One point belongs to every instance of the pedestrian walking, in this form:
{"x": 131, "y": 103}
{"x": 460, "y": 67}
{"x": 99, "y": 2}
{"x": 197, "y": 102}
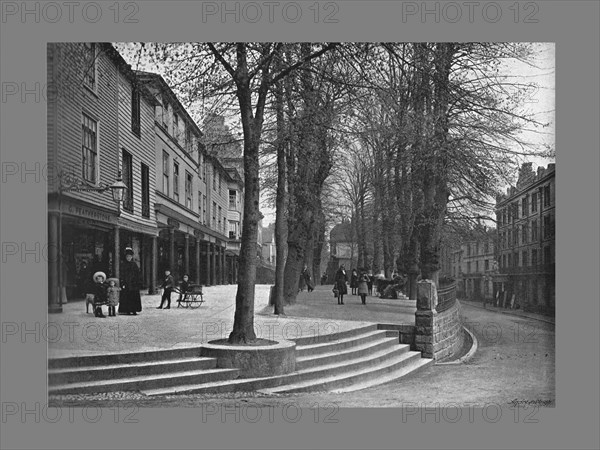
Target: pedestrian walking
{"x": 167, "y": 287}
{"x": 307, "y": 279}
{"x": 363, "y": 287}
{"x": 340, "y": 284}
{"x": 354, "y": 281}
{"x": 130, "y": 301}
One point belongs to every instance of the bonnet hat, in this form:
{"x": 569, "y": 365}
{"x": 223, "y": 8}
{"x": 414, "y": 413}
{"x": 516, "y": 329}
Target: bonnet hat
{"x": 99, "y": 274}
{"x": 128, "y": 251}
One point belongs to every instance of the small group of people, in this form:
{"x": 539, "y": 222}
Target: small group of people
{"x": 168, "y": 285}
{"x": 360, "y": 283}
{"x": 110, "y": 292}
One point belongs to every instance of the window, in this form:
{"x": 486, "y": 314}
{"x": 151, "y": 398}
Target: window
{"x": 219, "y": 218}
{"x": 204, "y": 209}
{"x": 508, "y": 238}
{"x": 205, "y": 170}
{"x": 486, "y": 247}
{"x": 534, "y": 200}
{"x": 128, "y": 180}
{"x": 524, "y": 233}
{"x": 487, "y": 265}
{"x": 89, "y": 76}
{"x": 547, "y": 195}
{"x": 145, "y": 190}
{"x": 516, "y": 237}
{"x": 524, "y": 258}
{"x": 176, "y": 126}
{"x": 89, "y": 148}
{"x": 200, "y": 204}
{"x": 548, "y": 227}
{"x": 516, "y": 259}
{"x": 176, "y": 181}
{"x": 504, "y": 261}
{"x": 188, "y": 140}
{"x": 547, "y": 255}
{"x": 214, "y": 215}
{"x": 468, "y": 249}
{"x": 232, "y": 230}
{"x": 188, "y": 190}
{"x": 214, "y": 178}
{"x": 165, "y": 115}
{"x": 232, "y": 199}
{"x": 534, "y": 230}
{"x": 469, "y": 267}
{"x": 165, "y": 187}
{"x": 534, "y": 257}
{"x": 220, "y": 180}
{"x": 135, "y": 110}
{"x": 524, "y": 207}
{"x": 476, "y": 266}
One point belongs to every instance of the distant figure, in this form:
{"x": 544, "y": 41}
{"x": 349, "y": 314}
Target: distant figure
{"x": 112, "y": 295}
{"x": 354, "y": 281}
{"x": 324, "y": 278}
{"x": 307, "y": 279}
{"x": 340, "y": 283}
{"x": 363, "y": 287}
{"x": 370, "y": 279}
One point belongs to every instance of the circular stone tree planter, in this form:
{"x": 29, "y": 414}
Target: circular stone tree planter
{"x": 268, "y": 358}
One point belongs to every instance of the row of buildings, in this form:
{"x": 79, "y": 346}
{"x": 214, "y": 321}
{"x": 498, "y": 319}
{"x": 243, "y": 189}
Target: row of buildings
{"x": 513, "y": 264}
{"x": 182, "y": 208}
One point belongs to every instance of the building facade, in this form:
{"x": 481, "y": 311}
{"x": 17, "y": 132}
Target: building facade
{"x": 476, "y": 267}
{"x": 180, "y": 206}
{"x": 526, "y": 240}
{"x": 100, "y": 125}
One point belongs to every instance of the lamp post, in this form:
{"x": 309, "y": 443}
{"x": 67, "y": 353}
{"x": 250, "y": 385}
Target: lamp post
{"x": 117, "y": 189}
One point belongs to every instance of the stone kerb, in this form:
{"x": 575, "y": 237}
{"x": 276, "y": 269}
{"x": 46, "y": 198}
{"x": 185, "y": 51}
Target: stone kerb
{"x": 275, "y": 358}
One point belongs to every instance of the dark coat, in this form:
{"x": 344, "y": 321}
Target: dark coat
{"x": 340, "y": 282}
{"x": 168, "y": 282}
{"x": 131, "y": 283}
{"x": 99, "y": 291}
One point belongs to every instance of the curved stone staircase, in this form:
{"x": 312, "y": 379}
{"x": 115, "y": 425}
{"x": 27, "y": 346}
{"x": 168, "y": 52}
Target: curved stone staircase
{"x": 345, "y": 361}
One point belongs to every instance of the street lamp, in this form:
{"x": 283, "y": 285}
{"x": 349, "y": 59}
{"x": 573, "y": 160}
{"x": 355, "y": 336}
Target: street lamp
{"x": 117, "y": 189}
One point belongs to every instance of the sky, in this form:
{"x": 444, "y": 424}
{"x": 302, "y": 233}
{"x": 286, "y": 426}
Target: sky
{"x": 541, "y": 102}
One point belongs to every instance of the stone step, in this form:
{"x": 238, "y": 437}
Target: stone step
{"x": 305, "y": 375}
{"x": 123, "y": 357}
{"x": 115, "y": 371}
{"x": 339, "y": 344}
{"x": 335, "y": 335}
{"x": 144, "y": 382}
{"x": 380, "y": 372}
{"x": 356, "y": 351}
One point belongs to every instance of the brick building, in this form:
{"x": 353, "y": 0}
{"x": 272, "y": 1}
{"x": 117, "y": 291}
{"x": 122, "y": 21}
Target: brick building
{"x": 526, "y": 240}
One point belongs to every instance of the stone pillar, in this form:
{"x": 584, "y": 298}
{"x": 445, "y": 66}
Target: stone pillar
{"x": 186, "y": 256}
{"x": 153, "y": 266}
{"x": 425, "y": 317}
{"x": 207, "y": 268}
{"x": 213, "y": 264}
{"x": 172, "y": 250}
{"x": 54, "y": 305}
{"x": 198, "y": 261}
{"x": 117, "y": 253}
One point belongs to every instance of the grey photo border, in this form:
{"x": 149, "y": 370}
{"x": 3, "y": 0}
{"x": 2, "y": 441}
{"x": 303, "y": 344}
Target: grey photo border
{"x": 573, "y": 423}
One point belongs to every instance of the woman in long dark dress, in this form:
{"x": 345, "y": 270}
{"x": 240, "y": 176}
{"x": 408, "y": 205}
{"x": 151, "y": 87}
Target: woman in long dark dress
{"x": 130, "y": 301}
{"x": 340, "y": 283}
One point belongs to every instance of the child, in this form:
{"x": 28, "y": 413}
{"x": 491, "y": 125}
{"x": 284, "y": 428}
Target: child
{"x": 99, "y": 291}
{"x": 112, "y": 295}
{"x": 167, "y": 286}
{"x": 363, "y": 287}
{"x": 183, "y": 287}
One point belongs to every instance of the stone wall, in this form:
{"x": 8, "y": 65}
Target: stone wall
{"x": 438, "y": 335}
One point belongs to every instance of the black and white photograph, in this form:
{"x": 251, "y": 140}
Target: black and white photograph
{"x": 353, "y": 224}
{"x": 303, "y": 224}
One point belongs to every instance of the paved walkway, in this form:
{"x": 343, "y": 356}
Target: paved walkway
{"x": 75, "y": 333}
